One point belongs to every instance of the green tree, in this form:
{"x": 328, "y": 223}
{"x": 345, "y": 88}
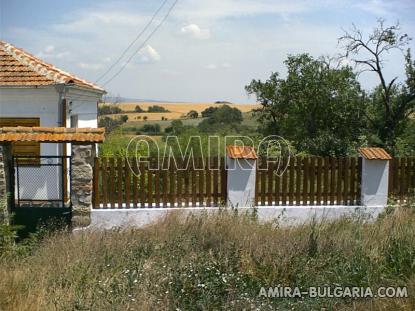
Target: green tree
{"x": 151, "y": 128}
{"x": 109, "y": 124}
{"x": 156, "y": 108}
{"x": 221, "y": 118}
{"x": 176, "y": 128}
{"x": 138, "y": 109}
{"x": 390, "y": 104}
{"x": 317, "y": 106}
{"x": 208, "y": 111}
{"x": 192, "y": 114}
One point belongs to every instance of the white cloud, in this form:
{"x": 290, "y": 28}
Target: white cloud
{"x": 49, "y": 49}
{"x": 90, "y": 66}
{"x": 49, "y": 53}
{"x": 215, "y": 66}
{"x": 149, "y": 55}
{"x": 195, "y": 31}
{"x": 216, "y": 9}
{"x": 211, "y": 66}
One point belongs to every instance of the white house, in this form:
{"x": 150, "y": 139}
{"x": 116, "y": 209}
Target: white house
{"x": 35, "y": 93}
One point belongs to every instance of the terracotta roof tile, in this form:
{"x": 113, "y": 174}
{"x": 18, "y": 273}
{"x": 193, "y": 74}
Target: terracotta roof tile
{"x": 14, "y": 62}
{"x": 51, "y": 134}
{"x": 374, "y": 153}
{"x": 241, "y": 152}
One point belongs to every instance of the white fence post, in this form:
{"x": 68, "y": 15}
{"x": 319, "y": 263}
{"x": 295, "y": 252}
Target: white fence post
{"x": 241, "y": 170}
{"x": 375, "y": 176}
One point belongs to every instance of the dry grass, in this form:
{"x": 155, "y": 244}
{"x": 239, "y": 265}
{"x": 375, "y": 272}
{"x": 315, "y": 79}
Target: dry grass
{"x": 177, "y": 110}
{"x": 212, "y": 263}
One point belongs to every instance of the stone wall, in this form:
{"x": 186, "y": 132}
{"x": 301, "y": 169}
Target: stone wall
{"x": 82, "y": 183}
{"x": 5, "y": 158}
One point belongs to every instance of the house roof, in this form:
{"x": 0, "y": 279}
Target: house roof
{"x": 241, "y": 152}
{"x": 51, "y": 134}
{"x": 19, "y": 68}
{"x": 374, "y": 153}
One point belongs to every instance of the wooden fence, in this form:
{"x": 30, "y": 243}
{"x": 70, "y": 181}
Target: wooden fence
{"x": 299, "y": 181}
{"x": 309, "y": 181}
{"x": 401, "y": 178}
{"x": 119, "y": 185}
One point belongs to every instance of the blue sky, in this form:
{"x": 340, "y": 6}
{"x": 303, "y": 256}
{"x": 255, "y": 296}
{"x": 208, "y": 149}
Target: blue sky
{"x": 207, "y": 50}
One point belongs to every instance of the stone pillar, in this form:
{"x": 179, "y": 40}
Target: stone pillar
{"x": 375, "y": 181}
{"x": 241, "y": 170}
{"x": 82, "y": 183}
{"x": 5, "y": 181}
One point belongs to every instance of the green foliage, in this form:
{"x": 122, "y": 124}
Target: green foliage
{"x": 115, "y": 144}
{"x": 316, "y": 106}
{"x": 208, "y": 112}
{"x": 124, "y": 118}
{"x": 176, "y": 128}
{"x": 192, "y": 114}
{"x": 150, "y": 129}
{"x": 390, "y": 105}
{"x": 156, "y": 108}
{"x": 110, "y": 124}
{"x": 107, "y": 109}
{"x": 221, "y": 118}
{"x": 138, "y": 109}
{"x": 405, "y": 143}
{"x": 8, "y": 231}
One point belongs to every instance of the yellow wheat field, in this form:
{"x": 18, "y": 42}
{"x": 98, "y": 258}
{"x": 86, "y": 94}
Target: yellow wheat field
{"x": 176, "y": 110}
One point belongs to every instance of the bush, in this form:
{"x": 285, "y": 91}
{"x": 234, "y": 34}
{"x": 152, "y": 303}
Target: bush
{"x": 192, "y": 114}
{"x": 220, "y": 118}
{"x": 208, "y": 112}
{"x": 124, "y": 118}
{"x": 138, "y": 109}
{"x": 156, "y": 108}
{"x": 109, "y": 124}
{"x": 150, "y": 128}
{"x": 107, "y": 109}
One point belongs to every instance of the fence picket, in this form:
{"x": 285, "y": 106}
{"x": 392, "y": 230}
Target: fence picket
{"x": 298, "y": 176}
{"x": 127, "y": 184}
{"x": 291, "y": 193}
{"x": 307, "y": 181}
{"x": 112, "y": 182}
{"x": 135, "y": 184}
{"x": 105, "y": 192}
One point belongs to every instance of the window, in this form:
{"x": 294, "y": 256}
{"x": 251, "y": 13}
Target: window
{"x": 23, "y": 148}
{"x": 74, "y": 121}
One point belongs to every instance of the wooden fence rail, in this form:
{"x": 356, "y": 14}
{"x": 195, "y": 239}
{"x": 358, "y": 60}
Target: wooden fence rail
{"x": 308, "y": 181}
{"x": 401, "y": 178}
{"x": 294, "y": 181}
{"x": 117, "y": 185}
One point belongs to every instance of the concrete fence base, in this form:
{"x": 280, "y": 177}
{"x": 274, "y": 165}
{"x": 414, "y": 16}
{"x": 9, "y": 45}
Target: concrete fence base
{"x": 284, "y": 215}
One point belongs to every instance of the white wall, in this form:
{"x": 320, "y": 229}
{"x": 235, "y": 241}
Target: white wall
{"x": 43, "y": 103}
{"x": 284, "y": 215}
{"x": 241, "y": 182}
{"x": 32, "y": 103}
{"x": 84, "y": 104}
{"x": 375, "y": 182}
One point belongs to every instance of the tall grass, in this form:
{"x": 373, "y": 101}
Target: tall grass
{"x": 213, "y": 262}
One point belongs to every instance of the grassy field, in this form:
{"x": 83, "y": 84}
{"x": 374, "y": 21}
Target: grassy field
{"x": 176, "y": 110}
{"x": 216, "y": 262}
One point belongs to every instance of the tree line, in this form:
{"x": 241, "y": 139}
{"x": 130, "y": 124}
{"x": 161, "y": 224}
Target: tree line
{"x": 321, "y": 107}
